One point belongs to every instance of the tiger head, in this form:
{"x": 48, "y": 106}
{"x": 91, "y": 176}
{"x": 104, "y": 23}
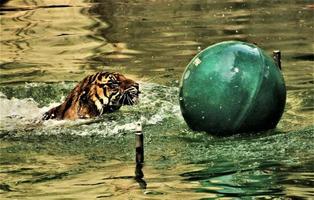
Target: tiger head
{"x": 109, "y": 91}
{"x": 120, "y": 90}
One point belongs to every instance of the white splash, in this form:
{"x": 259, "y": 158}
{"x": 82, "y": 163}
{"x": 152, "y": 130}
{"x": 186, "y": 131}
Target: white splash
{"x": 18, "y": 112}
{"x": 157, "y": 104}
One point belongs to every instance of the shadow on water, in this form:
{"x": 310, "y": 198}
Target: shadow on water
{"x": 269, "y": 179}
{"x": 257, "y": 168}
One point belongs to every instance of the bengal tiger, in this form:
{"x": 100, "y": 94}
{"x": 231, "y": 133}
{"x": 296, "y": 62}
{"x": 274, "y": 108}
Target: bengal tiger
{"x": 99, "y": 93}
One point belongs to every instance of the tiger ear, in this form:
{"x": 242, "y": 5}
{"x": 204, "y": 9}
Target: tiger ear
{"x": 119, "y": 76}
{"x": 103, "y": 77}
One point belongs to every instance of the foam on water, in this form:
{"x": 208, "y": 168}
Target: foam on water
{"x": 15, "y": 113}
{"x": 157, "y": 103}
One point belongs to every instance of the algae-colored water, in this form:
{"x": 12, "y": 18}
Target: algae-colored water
{"x": 48, "y": 46}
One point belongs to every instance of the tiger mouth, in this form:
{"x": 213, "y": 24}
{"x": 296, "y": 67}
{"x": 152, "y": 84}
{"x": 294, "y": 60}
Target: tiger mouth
{"x": 130, "y": 96}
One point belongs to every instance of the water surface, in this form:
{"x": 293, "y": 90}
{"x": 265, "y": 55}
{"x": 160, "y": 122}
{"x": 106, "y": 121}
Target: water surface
{"x": 48, "y": 46}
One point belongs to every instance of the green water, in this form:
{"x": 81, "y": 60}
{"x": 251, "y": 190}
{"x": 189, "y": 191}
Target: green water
{"x": 47, "y": 46}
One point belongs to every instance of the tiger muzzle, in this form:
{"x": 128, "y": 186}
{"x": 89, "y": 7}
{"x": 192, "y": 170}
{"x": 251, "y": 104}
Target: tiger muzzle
{"x": 131, "y": 95}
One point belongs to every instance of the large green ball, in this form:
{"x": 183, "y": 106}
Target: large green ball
{"x": 232, "y": 87}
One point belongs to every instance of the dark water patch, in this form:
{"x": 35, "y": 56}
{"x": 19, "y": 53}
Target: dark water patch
{"x": 305, "y": 57}
{"x": 15, "y": 65}
{"x": 264, "y": 180}
{"x": 99, "y": 183}
{"x": 16, "y": 170}
{"x": 104, "y": 196}
{"x": 44, "y": 178}
{"x": 306, "y": 82}
{"x": 233, "y": 193}
{"x": 235, "y": 172}
{"x": 5, "y": 187}
{"x": 14, "y": 9}
{"x": 119, "y": 177}
{"x": 154, "y": 193}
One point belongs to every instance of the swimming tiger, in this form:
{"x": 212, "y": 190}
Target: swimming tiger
{"x": 99, "y": 93}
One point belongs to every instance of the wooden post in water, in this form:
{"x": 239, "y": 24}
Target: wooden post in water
{"x": 139, "y": 156}
{"x": 277, "y": 58}
{"x": 139, "y": 144}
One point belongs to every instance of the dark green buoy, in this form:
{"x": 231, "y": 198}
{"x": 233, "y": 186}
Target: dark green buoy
{"x": 232, "y": 87}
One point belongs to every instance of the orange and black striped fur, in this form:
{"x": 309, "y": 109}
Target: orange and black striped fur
{"x": 96, "y": 94}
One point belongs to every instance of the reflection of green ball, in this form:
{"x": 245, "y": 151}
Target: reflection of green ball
{"x": 232, "y": 87}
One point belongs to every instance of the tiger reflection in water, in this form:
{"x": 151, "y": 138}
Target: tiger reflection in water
{"x": 103, "y": 92}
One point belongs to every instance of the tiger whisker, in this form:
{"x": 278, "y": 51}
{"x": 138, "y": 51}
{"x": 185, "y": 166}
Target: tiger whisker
{"x": 130, "y": 101}
{"x": 101, "y": 111}
{"x": 124, "y": 96}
